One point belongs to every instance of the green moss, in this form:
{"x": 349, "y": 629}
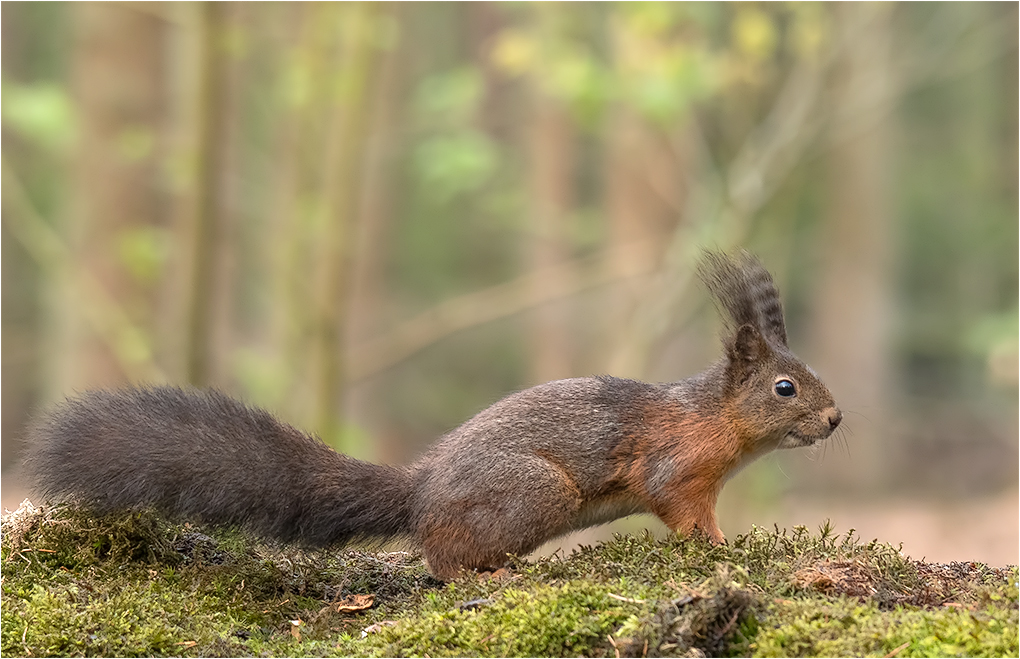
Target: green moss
{"x": 848, "y": 628}
{"x": 574, "y": 618}
{"x": 136, "y": 584}
{"x": 151, "y": 617}
{"x": 545, "y": 621}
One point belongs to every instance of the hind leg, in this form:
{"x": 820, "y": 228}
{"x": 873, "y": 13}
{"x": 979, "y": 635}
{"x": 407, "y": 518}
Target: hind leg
{"x": 449, "y": 547}
{"x": 509, "y": 515}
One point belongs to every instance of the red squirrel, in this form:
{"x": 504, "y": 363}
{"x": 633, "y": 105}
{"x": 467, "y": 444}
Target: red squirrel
{"x": 537, "y": 464}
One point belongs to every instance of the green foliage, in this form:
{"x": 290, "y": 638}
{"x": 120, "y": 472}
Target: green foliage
{"x": 450, "y": 165}
{"x": 143, "y": 250}
{"x": 41, "y": 113}
{"x": 135, "y": 143}
{"x": 136, "y": 585}
{"x": 449, "y": 99}
{"x": 453, "y": 158}
{"x": 663, "y": 64}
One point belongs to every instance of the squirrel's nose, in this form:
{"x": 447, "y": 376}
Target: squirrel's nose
{"x": 833, "y": 416}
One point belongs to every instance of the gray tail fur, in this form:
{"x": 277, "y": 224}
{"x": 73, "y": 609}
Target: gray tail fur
{"x": 204, "y": 456}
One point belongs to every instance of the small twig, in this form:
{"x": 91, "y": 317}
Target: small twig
{"x": 729, "y": 624}
{"x": 897, "y": 650}
{"x": 626, "y": 599}
{"x": 613, "y": 643}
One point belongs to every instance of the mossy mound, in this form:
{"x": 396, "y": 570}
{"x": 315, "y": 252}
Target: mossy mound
{"x": 136, "y": 585}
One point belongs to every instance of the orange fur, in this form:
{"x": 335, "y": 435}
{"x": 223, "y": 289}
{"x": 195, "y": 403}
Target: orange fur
{"x": 697, "y": 451}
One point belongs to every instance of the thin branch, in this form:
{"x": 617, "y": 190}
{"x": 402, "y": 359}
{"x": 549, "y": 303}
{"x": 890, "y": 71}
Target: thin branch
{"x": 945, "y": 38}
{"x": 526, "y": 292}
{"x": 939, "y": 63}
{"x": 111, "y": 323}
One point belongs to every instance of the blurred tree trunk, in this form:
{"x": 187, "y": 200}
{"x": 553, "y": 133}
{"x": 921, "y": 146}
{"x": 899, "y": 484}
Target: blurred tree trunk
{"x": 1010, "y": 166}
{"x": 341, "y": 183}
{"x": 550, "y": 151}
{"x": 642, "y": 202}
{"x": 644, "y": 199}
{"x": 209, "y": 289}
{"x": 368, "y": 292}
{"x": 302, "y": 217}
{"x": 375, "y": 208}
{"x": 23, "y": 281}
{"x": 117, "y": 82}
{"x": 550, "y": 186}
{"x": 852, "y": 301}
{"x": 282, "y": 249}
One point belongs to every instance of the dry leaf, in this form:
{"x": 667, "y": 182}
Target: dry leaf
{"x": 355, "y": 603}
{"x": 896, "y": 651}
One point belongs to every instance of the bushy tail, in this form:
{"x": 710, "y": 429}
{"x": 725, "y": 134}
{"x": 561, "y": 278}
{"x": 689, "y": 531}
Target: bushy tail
{"x": 203, "y": 456}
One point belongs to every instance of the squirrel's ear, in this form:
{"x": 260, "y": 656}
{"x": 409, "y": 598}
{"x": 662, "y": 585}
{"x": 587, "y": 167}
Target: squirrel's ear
{"x": 745, "y": 350}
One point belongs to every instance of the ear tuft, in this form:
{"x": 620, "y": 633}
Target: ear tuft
{"x": 745, "y": 293}
{"x": 745, "y": 350}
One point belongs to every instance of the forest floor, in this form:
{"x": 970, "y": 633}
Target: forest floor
{"x": 982, "y": 528}
{"x": 138, "y": 585}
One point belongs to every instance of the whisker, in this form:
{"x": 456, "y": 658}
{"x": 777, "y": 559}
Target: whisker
{"x": 860, "y": 414}
{"x": 780, "y": 466}
{"x": 844, "y": 443}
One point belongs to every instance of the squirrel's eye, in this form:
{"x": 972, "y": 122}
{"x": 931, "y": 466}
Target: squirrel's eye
{"x": 785, "y": 388}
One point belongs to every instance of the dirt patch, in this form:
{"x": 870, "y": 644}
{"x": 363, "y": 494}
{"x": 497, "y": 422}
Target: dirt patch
{"x": 937, "y": 584}
{"x": 838, "y": 578}
{"x": 943, "y": 584}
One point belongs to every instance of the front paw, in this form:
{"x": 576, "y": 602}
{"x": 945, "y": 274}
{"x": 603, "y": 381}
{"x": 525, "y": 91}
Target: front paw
{"x": 716, "y": 536}
{"x": 711, "y": 533}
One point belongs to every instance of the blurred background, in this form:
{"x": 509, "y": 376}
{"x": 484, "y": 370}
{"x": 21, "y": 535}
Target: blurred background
{"x": 377, "y": 219}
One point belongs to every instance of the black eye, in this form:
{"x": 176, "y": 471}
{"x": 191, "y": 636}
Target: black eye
{"x": 786, "y": 389}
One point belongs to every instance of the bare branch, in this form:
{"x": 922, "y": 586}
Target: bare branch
{"x": 126, "y": 341}
{"x": 526, "y": 292}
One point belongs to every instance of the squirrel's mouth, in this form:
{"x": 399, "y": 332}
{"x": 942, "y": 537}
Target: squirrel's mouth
{"x": 794, "y": 439}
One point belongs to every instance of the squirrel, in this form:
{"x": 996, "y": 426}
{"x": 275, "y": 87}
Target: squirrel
{"x": 537, "y": 464}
